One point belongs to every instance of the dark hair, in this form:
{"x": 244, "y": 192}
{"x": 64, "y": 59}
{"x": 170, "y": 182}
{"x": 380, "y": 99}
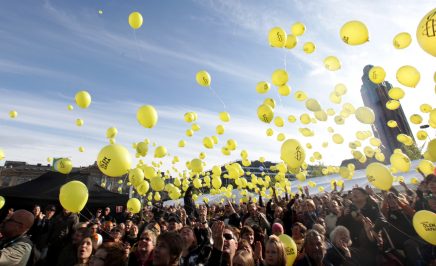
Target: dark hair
{"x": 247, "y": 229}
{"x": 429, "y": 178}
{"x": 114, "y": 254}
{"x": 361, "y": 190}
{"x": 174, "y": 242}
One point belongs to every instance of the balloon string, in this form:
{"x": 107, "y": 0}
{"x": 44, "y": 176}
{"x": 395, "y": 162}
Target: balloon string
{"x": 285, "y": 59}
{"x": 216, "y": 95}
{"x": 137, "y": 46}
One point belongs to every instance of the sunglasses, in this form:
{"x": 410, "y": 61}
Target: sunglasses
{"x": 228, "y": 236}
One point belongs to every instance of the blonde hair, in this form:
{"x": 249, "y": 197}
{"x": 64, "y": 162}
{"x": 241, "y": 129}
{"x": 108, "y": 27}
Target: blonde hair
{"x": 246, "y": 257}
{"x": 274, "y": 240}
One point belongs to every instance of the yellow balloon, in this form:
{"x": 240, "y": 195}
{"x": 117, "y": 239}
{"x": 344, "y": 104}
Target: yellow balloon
{"x": 2, "y": 202}
{"x": 354, "y": 33}
{"x": 208, "y": 142}
{"x": 281, "y": 137}
{"x": 64, "y": 166}
{"x": 182, "y": 143}
{"x": 425, "y": 33}
{"x": 147, "y": 116}
{"x": 313, "y": 105}
{"x": 337, "y": 138}
{"x": 203, "y": 78}
{"x": 396, "y": 93}
{"x": 269, "y": 132}
{"x": 426, "y": 167}
{"x": 408, "y": 76}
{"x": 431, "y": 148}
{"x": 291, "y": 41}
{"x": 433, "y": 116}
{"x": 157, "y": 183}
{"x": 279, "y": 77}
{"x": 195, "y": 127}
{"x": 332, "y": 63}
{"x": 114, "y": 160}
{"x": 232, "y": 144}
{"x": 70, "y": 107}
{"x": 365, "y": 115}
{"x": 196, "y": 166}
{"x": 379, "y": 176}
{"x": 292, "y": 153}
{"x": 298, "y": 29}
{"x": 416, "y": 119}
{"x": 134, "y": 205}
{"x": 291, "y": 251}
{"x": 400, "y": 162}
{"x": 402, "y": 40}
{"x": 284, "y": 90}
{"x": 425, "y": 108}
{"x": 135, "y": 20}
{"x": 83, "y": 99}
{"x": 369, "y": 152}
{"x": 265, "y": 113}
{"x": 220, "y": 129}
{"x": 335, "y": 98}
{"x": 421, "y": 134}
{"x": 392, "y": 123}
{"x": 189, "y": 132}
{"x": 79, "y": 122}
{"x": 189, "y": 117}
{"x": 215, "y": 139}
{"x": 321, "y": 115}
{"x": 309, "y": 47}
{"x": 224, "y": 116}
{"x": 339, "y": 120}
{"x": 277, "y": 37}
{"x": 424, "y": 223}
{"x": 263, "y": 87}
{"x": 157, "y": 196}
{"x": 377, "y": 74}
{"x": 13, "y": 114}
{"x": 111, "y": 132}
{"x": 160, "y": 152}
{"x": 392, "y": 104}
{"x": 278, "y": 121}
{"x": 136, "y": 176}
{"x": 340, "y": 89}
{"x": 292, "y": 119}
{"x": 73, "y": 196}
{"x": 300, "y": 96}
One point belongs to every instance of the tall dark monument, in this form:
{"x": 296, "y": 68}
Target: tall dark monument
{"x": 375, "y": 97}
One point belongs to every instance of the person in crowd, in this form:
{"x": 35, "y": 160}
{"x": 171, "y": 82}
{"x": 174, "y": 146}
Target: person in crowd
{"x": 142, "y": 254}
{"x": 256, "y": 218}
{"x": 68, "y": 253}
{"x": 230, "y": 216}
{"x": 194, "y": 253}
{"x": 97, "y": 239}
{"x": 16, "y": 246}
{"x": 314, "y": 250}
{"x": 274, "y": 252}
{"x": 116, "y": 235}
{"x": 243, "y": 258}
{"x": 60, "y": 234}
{"x": 247, "y": 233}
{"x": 333, "y": 213}
{"x": 168, "y": 250}
{"x": 244, "y": 245}
{"x": 132, "y": 235}
{"x": 298, "y": 233}
{"x": 106, "y": 229}
{"x": 224, "y": 244}
{"x": 109, "y": 254}
{"x": 34, "y": 231}
{"x": 341, "y": 252}
{"x": 40, "y": 237}
{"x": 107, "y": 216}
{"x": 85, "y": 250}
{"x": 174, "y": 223}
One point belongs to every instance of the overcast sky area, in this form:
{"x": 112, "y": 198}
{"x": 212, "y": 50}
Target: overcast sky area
{"x": 49, "y": 50}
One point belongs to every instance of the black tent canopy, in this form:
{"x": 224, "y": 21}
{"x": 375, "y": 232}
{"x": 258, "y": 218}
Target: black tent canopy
{"x": 44, "y": 190}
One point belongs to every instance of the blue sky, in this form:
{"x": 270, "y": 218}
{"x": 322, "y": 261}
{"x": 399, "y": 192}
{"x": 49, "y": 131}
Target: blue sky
{"x": 52, "y": 49}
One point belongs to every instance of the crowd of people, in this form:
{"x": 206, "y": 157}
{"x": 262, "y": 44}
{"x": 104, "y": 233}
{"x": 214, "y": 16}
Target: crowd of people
{"x": 357, "y": 227}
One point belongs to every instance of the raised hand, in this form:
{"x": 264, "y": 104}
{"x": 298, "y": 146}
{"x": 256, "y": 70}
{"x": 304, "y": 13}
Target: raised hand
{"x": 257, "y": 251}
{"x": 217, "y": 235}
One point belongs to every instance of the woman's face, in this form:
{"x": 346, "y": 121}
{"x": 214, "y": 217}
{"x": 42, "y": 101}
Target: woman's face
{"x": 296, "y": 232}
{"x": 249, "y": 237}
{"x": 342, "y": 237}
{"x": 98, "y": 258}
{"x": 85, "y": 248}
{"x": 271, "y": 254}
{"x": 145, "y": 243}
{"x": 161, "y": 254}
{"x": 358, "y": 196}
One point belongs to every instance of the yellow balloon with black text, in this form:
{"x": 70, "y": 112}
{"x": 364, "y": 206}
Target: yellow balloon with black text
{"x": 402, "y": 40}
{"x": 147, "y": 116}
{"x": 114, "y": 160}
{"x": 379, "y": 176}
{"x": 277, "y": 37}
{"x": 354, "y": 33}
{"x": 203, "y": 78}
{"x": 73, "y": 196}
{"x": 292, "y": 153}
{"x": 83, "y": 99}
{"x": 425, "y": 33}
{"x": 377, "y": 74}
{"x": 408, "y": 76}
{"x": 64, "y": 166}
{"x": 265, "y": 113}
{"x": 424, "y": 223}
{"x": 135, "y": 20}
{"x": 134, "y": 205}
{"x": 263, "y": 87}
{"x": 290, "y": 249}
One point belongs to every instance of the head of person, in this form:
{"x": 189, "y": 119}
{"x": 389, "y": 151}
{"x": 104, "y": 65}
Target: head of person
{"x": 163, "y": 226}
{"x": 109, "y": 254}
{"x": 247, "y": 233}
{"x": 278, "y": 212}
{"x": 85, "y": 249}
{"x": 36, "y": 210}
{"x": 298, "y": 230}
{"x": 107, "y": 211}
{"x": 430, "y": 180}
{"x": 116, "y": 234}
{"x": 66, "y": 212}
{"x": 188, "y": 236}
{"x": 146, "y": 242}
{"x": 134, "y": 230}
{"x": 128, "y": 223}
{"x": 274, "y": 252}
{"x": 340, "y": 235}
{"x": 94, "y": 228}
{"x": 243, "y": 258}
{"x": 230, "y": 235}
{"x": 277, "y": 229}
{"x": 334, "y": 207}
{"x": 50, "y": 211}
{"x": 17, "y": 224}
{"x": 244, "y": 245}
{"x": 320, "y": 228}
{"x": 314, "y": 245}
{"x": 227, "y": 208}
{"x": 107, "y": 226}
{"x": 155, "y": 227}
{"x": 252, "y": 209}
{"x": 309, "y": 205}
{"x": 79, "y": 234}
{"x": 168, "y": 249}
{"x": 98, "y": 212}
{"x": 359, "y": 195}
{"x": 174, "y": 223}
